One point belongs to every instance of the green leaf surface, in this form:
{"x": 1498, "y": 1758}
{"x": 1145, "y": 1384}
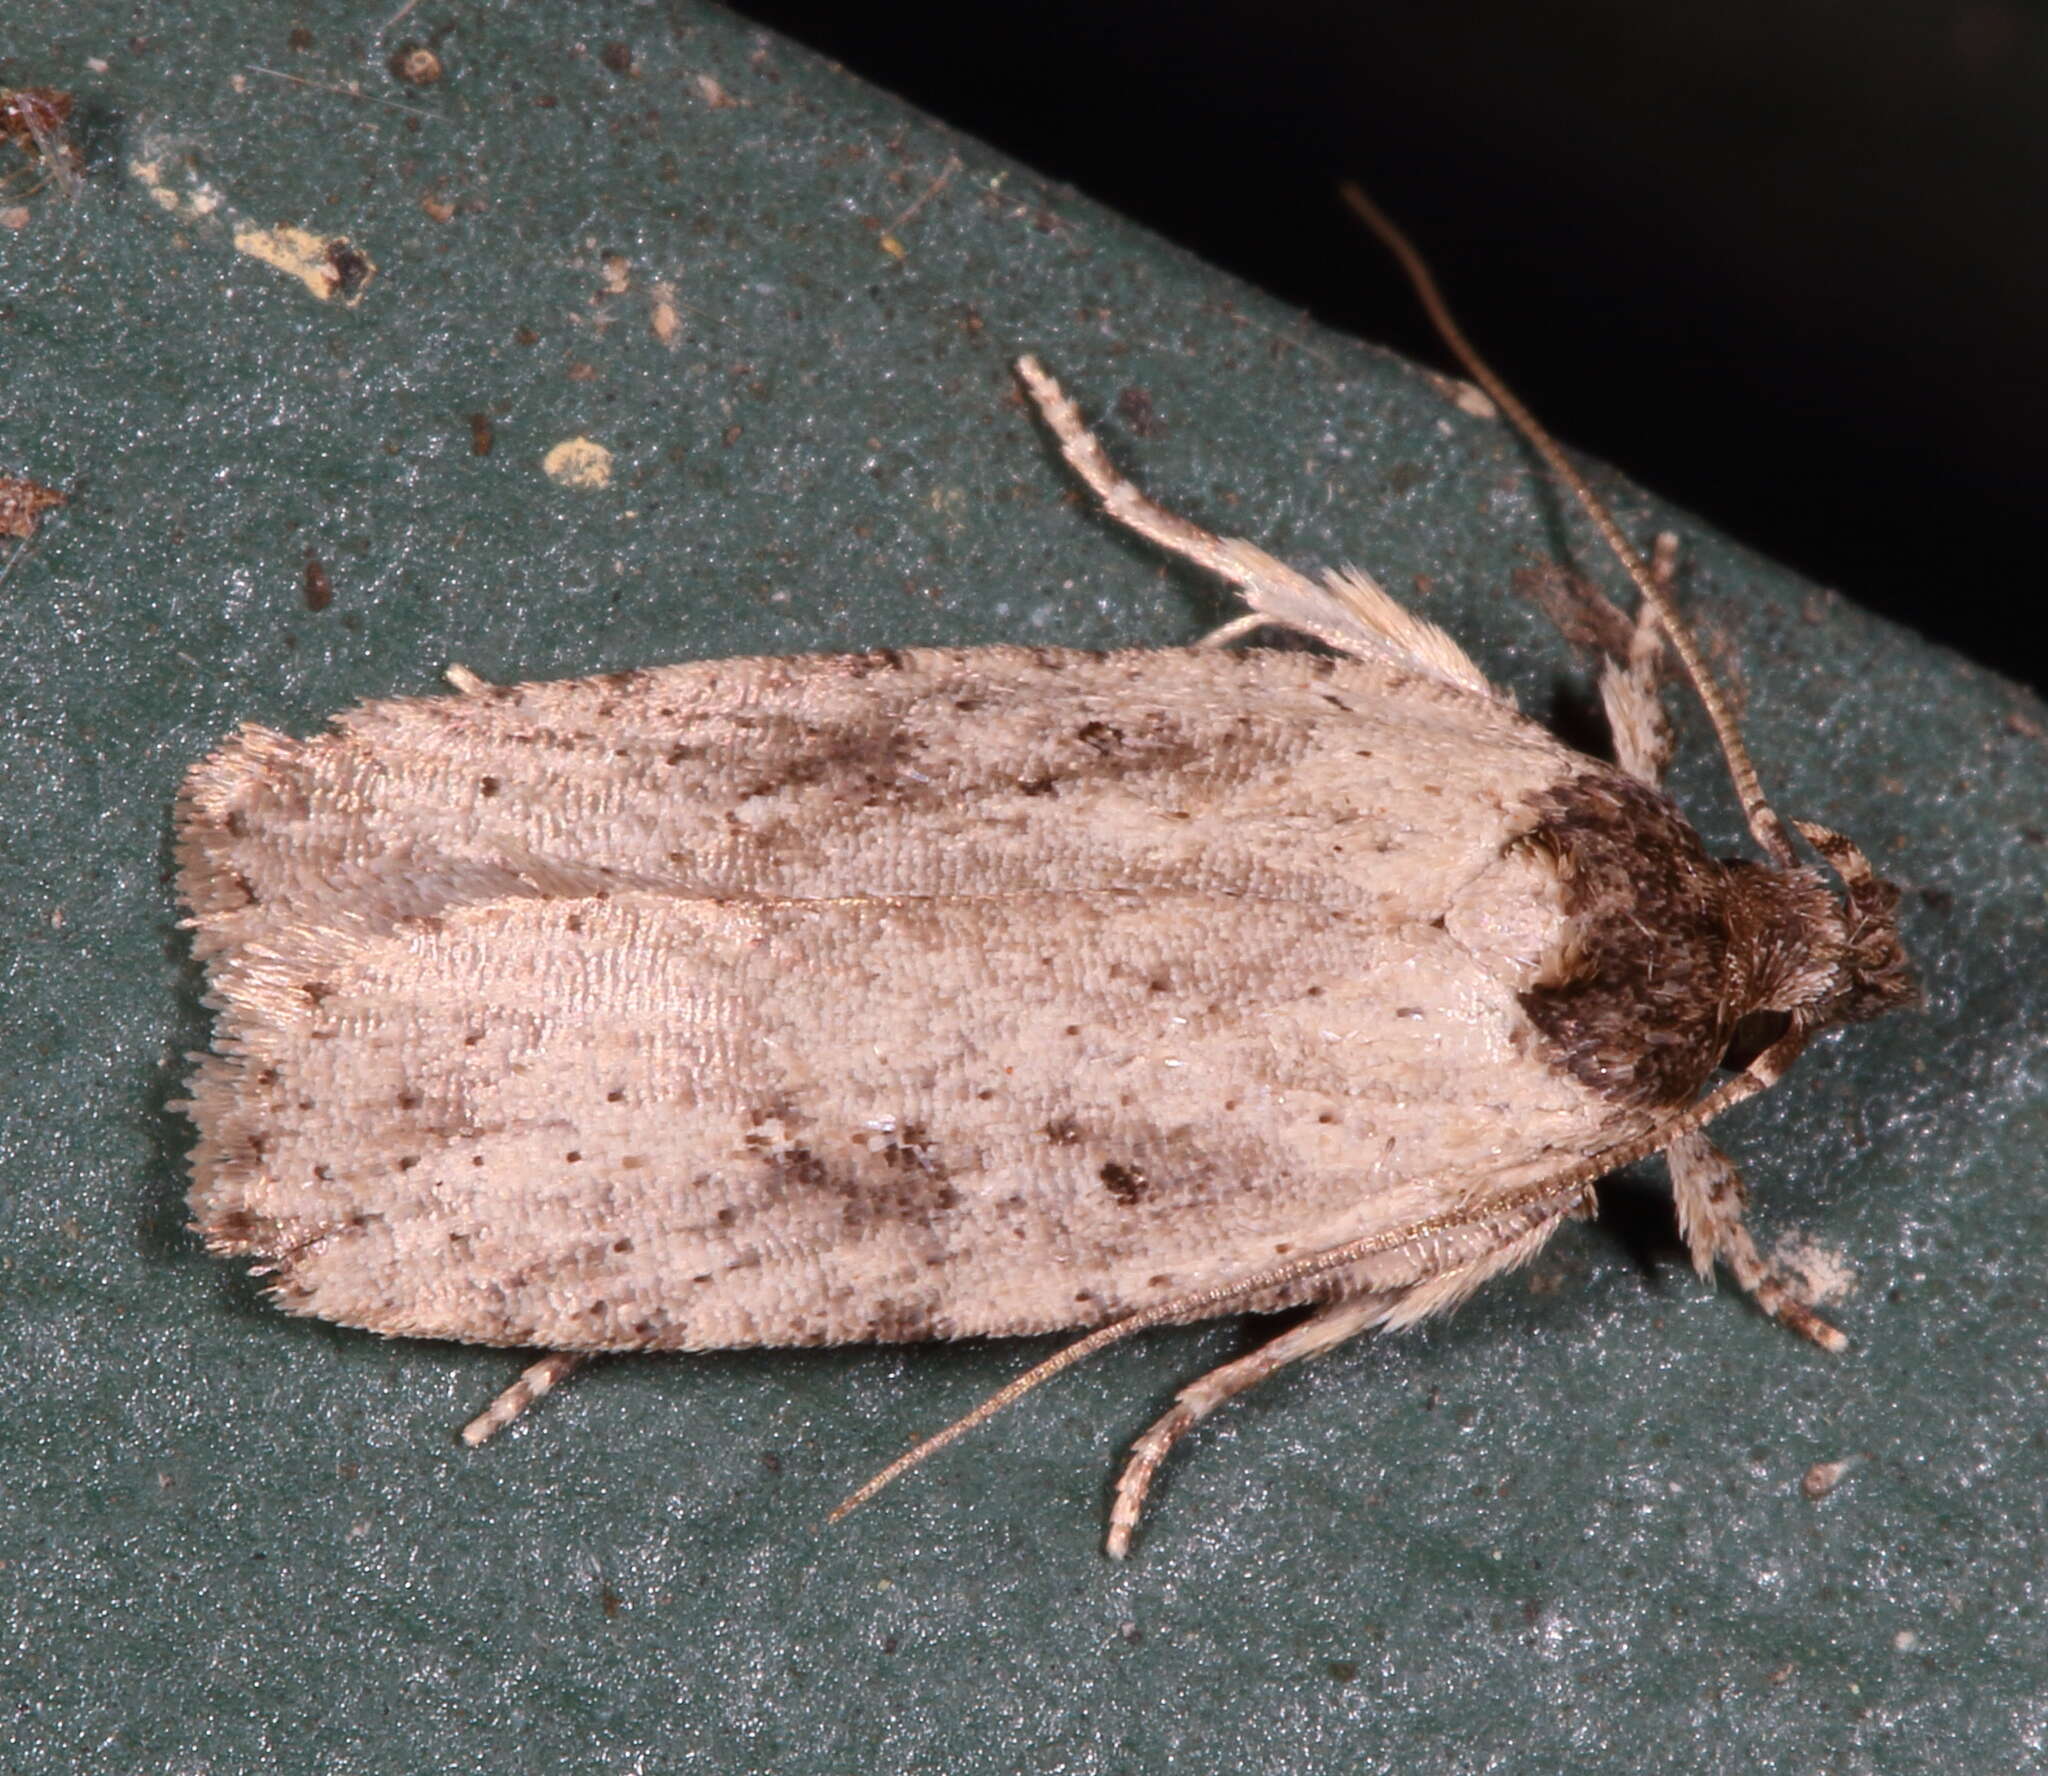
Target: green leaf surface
{"x": 1563, "y": 1529}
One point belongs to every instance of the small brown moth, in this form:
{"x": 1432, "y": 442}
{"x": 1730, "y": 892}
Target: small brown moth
{"x": 974, "y": 992}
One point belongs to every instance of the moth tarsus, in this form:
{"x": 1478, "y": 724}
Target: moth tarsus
{"x": 536, "y": 1380}
{"x": 940, "y": 993}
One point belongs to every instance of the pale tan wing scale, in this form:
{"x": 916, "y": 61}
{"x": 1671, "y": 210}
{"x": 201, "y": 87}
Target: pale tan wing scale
{"x": 750, "y": 1008}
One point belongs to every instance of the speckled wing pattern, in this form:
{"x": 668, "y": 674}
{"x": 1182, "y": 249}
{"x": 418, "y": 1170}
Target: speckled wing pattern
{"x": 886, "y": 996}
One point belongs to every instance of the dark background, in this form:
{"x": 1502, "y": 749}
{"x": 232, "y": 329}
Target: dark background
{"x": 1783, "y": 261}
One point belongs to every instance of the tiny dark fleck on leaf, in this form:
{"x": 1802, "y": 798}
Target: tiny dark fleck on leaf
{"x": 1134, "y": 408}
{"x": 350, "y": 270}
{"x": 319, "y": 589}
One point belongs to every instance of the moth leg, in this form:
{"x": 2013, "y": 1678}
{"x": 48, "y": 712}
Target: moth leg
{"x": 1711, "y": 1197}
{"x": 1347, "y": 611}
{"x": 470, "y": 684}
{"x": 1234, "y": 630}
{"x": 535, "y": 1380}
{"x": 1323, "y": 1330}
{"x": 1636, "y": 716}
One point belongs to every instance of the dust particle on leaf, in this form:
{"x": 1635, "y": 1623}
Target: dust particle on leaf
{"x": 22, "y": 505}
{"x": 1823, "y": 1477}
{"x": 665, "y": 315}
{"x": 415, "y": 64}
{"x": 580, "y": 463}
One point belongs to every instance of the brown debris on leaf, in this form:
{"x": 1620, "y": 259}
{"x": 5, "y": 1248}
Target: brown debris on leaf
{"x": 35, "y": 119}
{"x": 22, "y": 504}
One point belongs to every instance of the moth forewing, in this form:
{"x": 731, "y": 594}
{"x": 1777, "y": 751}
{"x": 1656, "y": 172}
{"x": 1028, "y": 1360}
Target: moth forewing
{"x": 1147, "y": 975}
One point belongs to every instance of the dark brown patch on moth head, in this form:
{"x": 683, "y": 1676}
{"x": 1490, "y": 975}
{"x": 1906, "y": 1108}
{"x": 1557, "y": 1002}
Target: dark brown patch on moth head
{"x": 1636, "y": 1002}
{"x": 1672, "y": 957}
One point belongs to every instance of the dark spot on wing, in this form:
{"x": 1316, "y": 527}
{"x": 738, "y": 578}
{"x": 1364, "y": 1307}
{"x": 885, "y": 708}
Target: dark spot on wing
{"x": 1127, "y": 1183}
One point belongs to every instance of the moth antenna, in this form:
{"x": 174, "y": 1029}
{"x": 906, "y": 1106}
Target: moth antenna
{"x": 1536, "y": 1197}
{"x": 1764, "y": 822}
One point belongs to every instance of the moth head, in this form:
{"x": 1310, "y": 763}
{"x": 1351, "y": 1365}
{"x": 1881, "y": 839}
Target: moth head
{"x": 1815, "y": 955}
{"x": 1873, "y": 975}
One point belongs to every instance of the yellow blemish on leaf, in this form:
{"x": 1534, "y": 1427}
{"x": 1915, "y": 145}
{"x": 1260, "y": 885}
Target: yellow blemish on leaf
{"x": 315, "y": 260}
{"x": 578, "y": 462}
{"x": 665, "y": 315}
{"x": 196, "y": 200}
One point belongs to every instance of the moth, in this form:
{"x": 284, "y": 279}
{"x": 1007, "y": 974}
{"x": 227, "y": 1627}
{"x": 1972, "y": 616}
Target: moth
{"x": 948, "y": 993}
